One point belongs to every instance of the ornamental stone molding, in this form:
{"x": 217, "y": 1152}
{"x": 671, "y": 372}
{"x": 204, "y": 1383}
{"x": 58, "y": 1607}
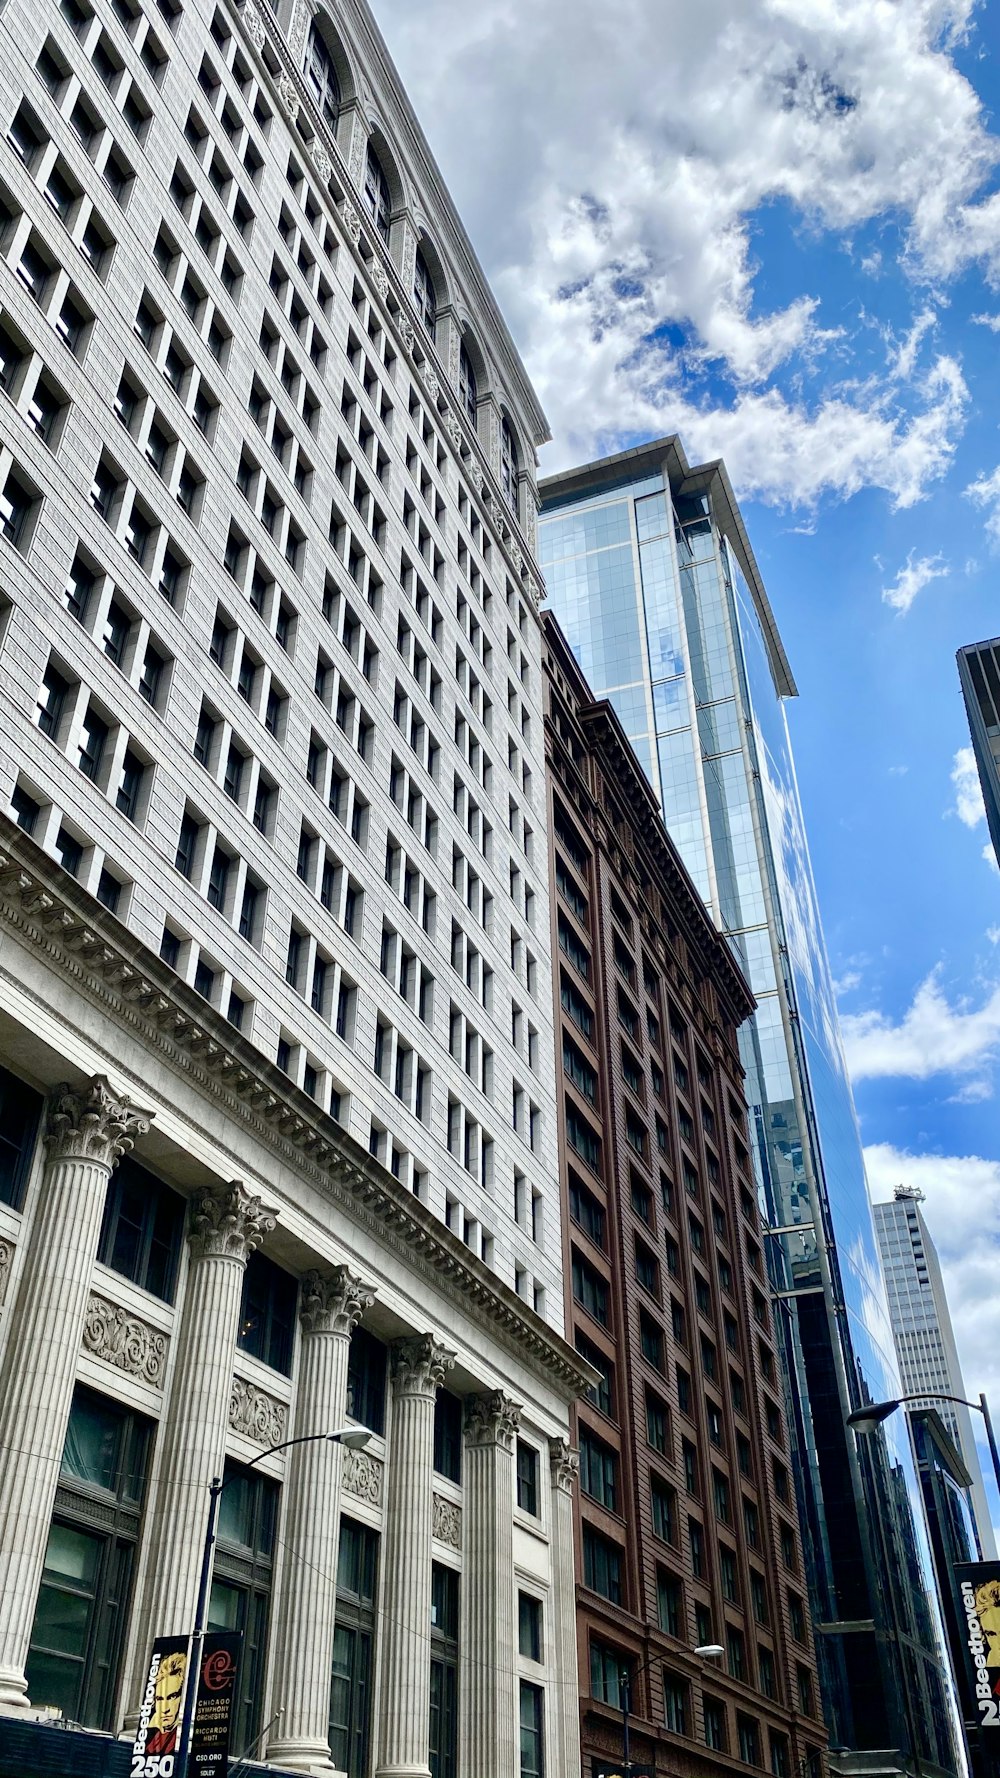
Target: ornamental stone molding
{"x": 420, "y": 1365}
{"x": 446, "y": 1522}
{"x": 321, "y": 161}
{"x": 298, "y": 27}
{"x": 492, "y": 1420}
{"x": 379, "y": 278}
{"x": 6, "y": 1261}
{"x": 254, "y": 25}
{"x": 352, "y": 222}
{"x": 92, "y": 1124}
{"x": 255, "y": 1414}
{"x": 125, "y": 1342}
{"x": 455, "y": 432}
{"x": 228, "y": 1222}
{"x": 333, "y": 1302}
{"x": 408, "y": 337}
{"x": 288, "y": 95}
{"x": 564, "y": 1464}
{"x": 363, "y": 1476}
{"x": 432, "y": 386}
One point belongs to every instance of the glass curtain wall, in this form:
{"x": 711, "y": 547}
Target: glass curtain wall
{"x": 661, "y": 618}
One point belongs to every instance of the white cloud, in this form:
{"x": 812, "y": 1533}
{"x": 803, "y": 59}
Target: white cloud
{"x": 934, "y": 1036}
{"x": 990, "y": 321}
{"x": 620, "y": 218}
{"x": 985, "y": 492}
{"x": 990, "y": 857}
{"x": 898, "y": 771}
{"x": 843, "y": 984}
{"x": 916, "y": 573}
{"x": 993, "y": 934}
{"x": 962, "y": 1208}
{"x": 968, "y": 790}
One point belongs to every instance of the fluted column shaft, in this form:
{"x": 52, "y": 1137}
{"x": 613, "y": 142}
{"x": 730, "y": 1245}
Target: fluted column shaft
{"x": 419, "y": 1366}
{"x": 488, "y": 1693}
{"x": 87, "y": 1132}
{"x": 226, "y": 1224}
{"x": 304, "y": 1622}
{"x": 564, "y": 1468}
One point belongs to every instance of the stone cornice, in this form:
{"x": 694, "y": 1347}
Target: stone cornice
{"x": 47, "y": 910}
{"x": 292, "y": 94}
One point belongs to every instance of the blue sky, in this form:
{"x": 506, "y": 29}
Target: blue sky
{"x": 773, "y": 226}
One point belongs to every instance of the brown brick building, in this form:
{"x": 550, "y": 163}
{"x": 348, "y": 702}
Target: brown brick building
{"x": 686, "y": 1526}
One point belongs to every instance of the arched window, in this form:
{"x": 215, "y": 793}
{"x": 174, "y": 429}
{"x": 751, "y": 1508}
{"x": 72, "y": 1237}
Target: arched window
{"x": 423, "y": 294}
{"x": 322, "y": 77}
{"x": 377, "y": 193}
{"x": 508, "y": 466}
{"x": 467, "y": 390}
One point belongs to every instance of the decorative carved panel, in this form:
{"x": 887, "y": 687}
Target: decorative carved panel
{"x": 120, "y": 1339}
{"x": 6, "y": 1261}
{"x": 255, "y": 1414}
{"x": 446, "y": 1524}
{"x": 363, "y": 1476}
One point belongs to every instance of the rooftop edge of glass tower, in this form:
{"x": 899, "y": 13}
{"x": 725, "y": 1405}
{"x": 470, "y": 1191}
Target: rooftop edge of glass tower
{"x": 651, "y": 575}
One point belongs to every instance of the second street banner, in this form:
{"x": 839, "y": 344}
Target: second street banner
{"x": 215, "y": 1704}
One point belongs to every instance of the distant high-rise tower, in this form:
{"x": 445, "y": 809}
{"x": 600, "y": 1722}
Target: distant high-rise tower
{"x": 979, "y": 672}
{"x": 925, "y": 1340}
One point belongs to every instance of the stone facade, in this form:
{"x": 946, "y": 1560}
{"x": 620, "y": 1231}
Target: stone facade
{"x": 273, "y": 896}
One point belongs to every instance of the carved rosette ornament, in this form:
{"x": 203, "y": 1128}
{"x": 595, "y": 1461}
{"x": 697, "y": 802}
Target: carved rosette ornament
{"x": 257, "y": 1415}
{"x": 287, "y": 94}
{"x": 380, "y": 278}
{"x": 228, "y": 1222}
{"x": 446, "y": 1524}
{"x": 322, "y": 162}
{"x": 94, "y": 1124}
{"x": 433, "y": 386}
{"x": 492, "y": 1420}
{"x": 254, "y": 25}
{"x": 363, "y": 1476}
{"x": 476, "y": 477}
{"x": 117, "y": 1338}
{"x": 352, "y": 222}
{"x": 420, "y": 1365}
{"x": 333, "y": 1302}
{"x": 564, "y": 1463}
{"x": 454, "y": 426}
{"x": 407, "y": 336}
{"x": 6, "y": 1261}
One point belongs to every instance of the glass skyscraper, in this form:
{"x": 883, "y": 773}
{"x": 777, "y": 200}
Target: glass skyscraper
{"x": 979, "y": 673}
{"x": 651, "y": 575}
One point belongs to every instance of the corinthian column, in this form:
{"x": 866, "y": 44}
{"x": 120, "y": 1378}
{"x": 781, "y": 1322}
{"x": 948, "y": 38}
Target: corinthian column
{"x": 226, "y": 1224}
{"x": 564, "y": 1467}
{"x": 87, "y": 1132}
{"x": 332, "y": 1303}
{"x": 488, "y": 1692}
{"x": 419, "y": 1366}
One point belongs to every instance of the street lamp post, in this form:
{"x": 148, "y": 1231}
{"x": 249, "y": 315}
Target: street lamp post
{"x": 709, "y": 1651}
{"x": 353, "y": 1438}
{"x": 868, "y": 1418}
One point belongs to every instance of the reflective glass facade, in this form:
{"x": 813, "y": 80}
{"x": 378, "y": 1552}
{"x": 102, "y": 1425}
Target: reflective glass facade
{"x": 650, "y": 577}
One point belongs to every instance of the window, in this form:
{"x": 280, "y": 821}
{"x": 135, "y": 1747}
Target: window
{"x": 607, "y": 1667}
{"x": 736, "y": 1655}
{"x": 714, "y": 1712}
{"x": 601, "y": 1394}
{"x": 443, "y": 1740}
{"x": 586, "y": 1210}
{"x": 423, "y": 294}
{"x": 720, "y": 1496}
{"x": 656, "y": 1423}
{"x": 766, "y": 1673}
{"x": 467, "y": 390}
{"x": 675, "y": 1703}
{"x": 598, "y": 1470}
{"x": 322, "y": 78}
{"x": 20, "y": 1112}
{"x": 366, "y": 1374}
{"x": 92, "y": 742}
{"x": 509, "y": 466}
{"x": 669, "y": 1603}
{"x": 351, "y": 1674}
{"x": 241, "y": 1584}
{"x": 83, "y": 1602}
{"x": 448, "y": 1435}
{"x": 651, "y": 1340}
{"x": 602, "y": 1565}
{"x": 377, "y": 195}
{"x": 664, "y": 1507}
{"x": 696, "y": 1544}
{"x": 532, "y": 1731}
{"x": 748, "y": 1736}
{"x": 267, "y": 1313}
{"x": 529, "y": 1627}
{"x": 527, "y": 1478}
{"x": 590, "y": 1289}
{"x": 17, "y": 501}
{"x": 142, "y": 1229}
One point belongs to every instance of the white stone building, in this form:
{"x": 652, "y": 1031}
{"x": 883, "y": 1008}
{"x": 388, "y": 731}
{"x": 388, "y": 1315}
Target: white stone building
{"x": 276, "y": 1122}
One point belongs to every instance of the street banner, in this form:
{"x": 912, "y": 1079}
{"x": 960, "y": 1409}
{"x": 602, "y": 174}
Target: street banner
{"x": 157, "y": 1736}
{"x": 215, "y": 1704}
{"x": 978, "y": 1589}
{"x": 603, "y": 1767}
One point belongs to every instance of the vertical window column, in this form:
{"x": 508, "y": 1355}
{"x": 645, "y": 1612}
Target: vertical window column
{"x": 564, "y": 1468}
{"x": 332, "y": 1304}
{"x": 488, "y": 1654}
{"x": 419, "y": 1366}
{"x": 227, "y": 1223}
{"x": 86, "y": 1133}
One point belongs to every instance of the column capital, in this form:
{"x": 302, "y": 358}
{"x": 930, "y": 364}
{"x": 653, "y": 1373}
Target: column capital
{"x": 92, "y": 1123}
{"x": 492, "y": 1420}
{"x": 564, "y": 1464}
{"x": 228, "y": 1222}
{"x": 333, "y": 1302}
{"x": 420, "y": 1365}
